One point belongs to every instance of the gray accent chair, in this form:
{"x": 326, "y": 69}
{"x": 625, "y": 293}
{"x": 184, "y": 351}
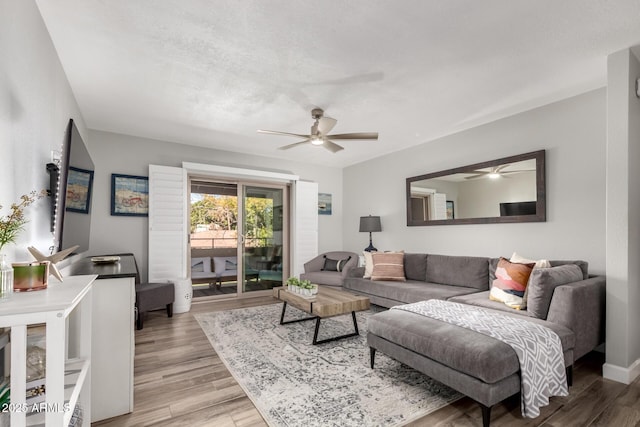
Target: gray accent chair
{"x": 314, "y": 270}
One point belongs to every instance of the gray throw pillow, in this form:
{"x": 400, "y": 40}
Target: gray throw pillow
{"x": 542, "y": 283}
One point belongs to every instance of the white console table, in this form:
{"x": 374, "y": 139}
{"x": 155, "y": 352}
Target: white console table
{"x": 113, "y": 322}
{"x": 65, "y": 309}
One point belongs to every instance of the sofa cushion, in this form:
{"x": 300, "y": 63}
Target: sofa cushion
{"x": 463, "y": 350}
{"x": 201, "y": 265}
{"x": 220, "y": 263}
{"x": 388, "y": 266}
{"x": 511, "y": 283}
{"x": 458, "y": 271}
{"x": 415, "y": 266}
{"x": 481, "y": 299}
{"x": 542, "y": 284}
{"x": 584, "y": 266}
{"x": 406, "y": 292}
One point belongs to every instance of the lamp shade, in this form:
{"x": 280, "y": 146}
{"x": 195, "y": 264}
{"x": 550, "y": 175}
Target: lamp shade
{"x": 370, "y": 223}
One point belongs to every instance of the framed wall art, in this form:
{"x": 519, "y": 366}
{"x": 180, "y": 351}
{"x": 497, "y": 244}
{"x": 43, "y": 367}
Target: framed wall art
{"x": 450, "y": 210}
{"x": 129, "y": 195}
{"x": 324, "y": 204}
{"x": 79, "y": 184}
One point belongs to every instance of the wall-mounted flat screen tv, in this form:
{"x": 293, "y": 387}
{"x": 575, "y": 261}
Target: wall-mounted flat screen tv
{"x": 72, "y": 200}
{"x": 517, "y": 208}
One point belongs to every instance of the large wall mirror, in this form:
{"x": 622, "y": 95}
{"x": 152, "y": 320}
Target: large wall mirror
{"x": 511, "y": 189}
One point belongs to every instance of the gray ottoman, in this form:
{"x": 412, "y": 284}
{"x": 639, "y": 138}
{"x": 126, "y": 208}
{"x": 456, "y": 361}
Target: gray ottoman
{"x": 151, "y": 296}
{"x": 476, "y": 365}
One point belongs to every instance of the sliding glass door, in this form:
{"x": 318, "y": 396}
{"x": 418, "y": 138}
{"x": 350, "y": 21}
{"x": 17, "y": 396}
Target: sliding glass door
{"x": 239, "y": 237}
{"x": 264, "y": 237}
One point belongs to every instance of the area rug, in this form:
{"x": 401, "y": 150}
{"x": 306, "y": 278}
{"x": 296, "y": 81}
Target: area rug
{"x": 294, "y": 383}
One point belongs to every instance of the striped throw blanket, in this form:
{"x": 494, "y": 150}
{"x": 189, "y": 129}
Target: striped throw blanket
{"x": 538, "y": 348}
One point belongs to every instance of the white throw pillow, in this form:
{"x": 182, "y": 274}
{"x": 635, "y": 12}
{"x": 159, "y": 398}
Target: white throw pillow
{"x": 368, "y": 264}
{"x": 541, "y": 263}
{"x": 220, "y": 263}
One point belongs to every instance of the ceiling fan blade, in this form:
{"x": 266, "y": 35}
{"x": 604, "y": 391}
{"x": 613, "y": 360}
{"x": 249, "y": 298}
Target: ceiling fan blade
{"x": 275, "y": 132}
{"x": 325, "y": 124}
{"x": 480, "y": 175}
{"x": 356, "y": 135}
{"x": 332, "y": 146}
{"x": 499, "y": 168}
{"x": 295, "y": 144}
{"x": 518, "y": 171}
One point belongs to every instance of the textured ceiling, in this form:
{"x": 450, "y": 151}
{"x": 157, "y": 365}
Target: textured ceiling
{"x": 211, "y": 72}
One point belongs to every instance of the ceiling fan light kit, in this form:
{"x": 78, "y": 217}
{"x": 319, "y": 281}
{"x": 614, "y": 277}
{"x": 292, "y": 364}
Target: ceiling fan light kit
{"x": 319, "y": 134}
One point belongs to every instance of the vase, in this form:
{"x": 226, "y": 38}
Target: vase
{"x": 6, "y": 278}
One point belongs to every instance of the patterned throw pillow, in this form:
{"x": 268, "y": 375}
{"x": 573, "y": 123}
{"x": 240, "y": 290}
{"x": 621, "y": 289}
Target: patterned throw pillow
{"x": 511, "y": 283}
{"x": 388, "y": 266}
{"x": 334, "y": 264}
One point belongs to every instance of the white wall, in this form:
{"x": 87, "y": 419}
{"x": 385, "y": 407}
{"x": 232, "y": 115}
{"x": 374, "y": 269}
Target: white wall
{"x": 36, "y": 103}
{"x": 124, "y": 154}
{"x": 572, "y": 131}
{"x": 623, "y": 218}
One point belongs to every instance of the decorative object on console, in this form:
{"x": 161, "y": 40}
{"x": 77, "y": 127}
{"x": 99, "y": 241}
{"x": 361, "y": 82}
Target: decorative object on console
{"x": 53, "y": 259}
{"x": 6, "y": 278}
{"x": 129, "y": 195}
{"x": 370, "y": 224}
{"x": 111, "y": 259}
{"x": 10, "y": 227}
{"x": 511, "y": 283}
{"x": 30, "y": 276}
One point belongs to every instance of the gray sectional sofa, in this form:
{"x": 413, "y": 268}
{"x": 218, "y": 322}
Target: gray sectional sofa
{"x": 481, "y": 367}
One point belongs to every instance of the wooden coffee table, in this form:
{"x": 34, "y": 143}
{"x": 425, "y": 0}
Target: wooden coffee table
{"x": 328, "y": 302}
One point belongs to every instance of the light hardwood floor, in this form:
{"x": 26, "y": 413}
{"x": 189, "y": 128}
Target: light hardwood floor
{"x": 180, "y": 381}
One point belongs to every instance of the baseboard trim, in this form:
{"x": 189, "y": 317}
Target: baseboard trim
{"x": 620, "y": 374}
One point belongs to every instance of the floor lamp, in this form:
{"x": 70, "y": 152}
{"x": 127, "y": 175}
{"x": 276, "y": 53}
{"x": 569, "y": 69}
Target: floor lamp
{"x": 370, "y": 224}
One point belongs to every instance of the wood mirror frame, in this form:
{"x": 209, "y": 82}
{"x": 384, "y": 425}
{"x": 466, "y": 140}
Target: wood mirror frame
{"x": 475, "y": 171}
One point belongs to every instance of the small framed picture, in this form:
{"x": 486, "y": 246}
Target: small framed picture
{"x": 324, "y": 204}
{"x": 129, "y": 195}
{"x": 450, "y": 211}
{"x": 78, "y": 197}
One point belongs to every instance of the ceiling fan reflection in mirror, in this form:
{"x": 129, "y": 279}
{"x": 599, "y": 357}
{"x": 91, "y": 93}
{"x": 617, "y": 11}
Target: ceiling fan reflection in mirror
{"x": 319, "y": 134}
{"x": 495, "y": 172}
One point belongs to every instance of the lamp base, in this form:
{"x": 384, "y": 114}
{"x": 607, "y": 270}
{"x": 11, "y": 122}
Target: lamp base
{"x": 370, "y": 248}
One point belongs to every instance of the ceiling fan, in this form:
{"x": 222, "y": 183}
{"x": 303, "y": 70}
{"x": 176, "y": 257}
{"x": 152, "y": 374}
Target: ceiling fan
{"x": 494, "y": 172}
{"x": 319, "y": 134}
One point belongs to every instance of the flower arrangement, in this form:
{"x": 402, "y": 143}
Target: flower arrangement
{"x": 302, "y": 287}
{"x": 12, "y": 224}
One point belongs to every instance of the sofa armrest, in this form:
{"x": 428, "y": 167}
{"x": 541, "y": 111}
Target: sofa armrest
{"x": 580, "y": 306}
{"x": 315, "y": 264}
